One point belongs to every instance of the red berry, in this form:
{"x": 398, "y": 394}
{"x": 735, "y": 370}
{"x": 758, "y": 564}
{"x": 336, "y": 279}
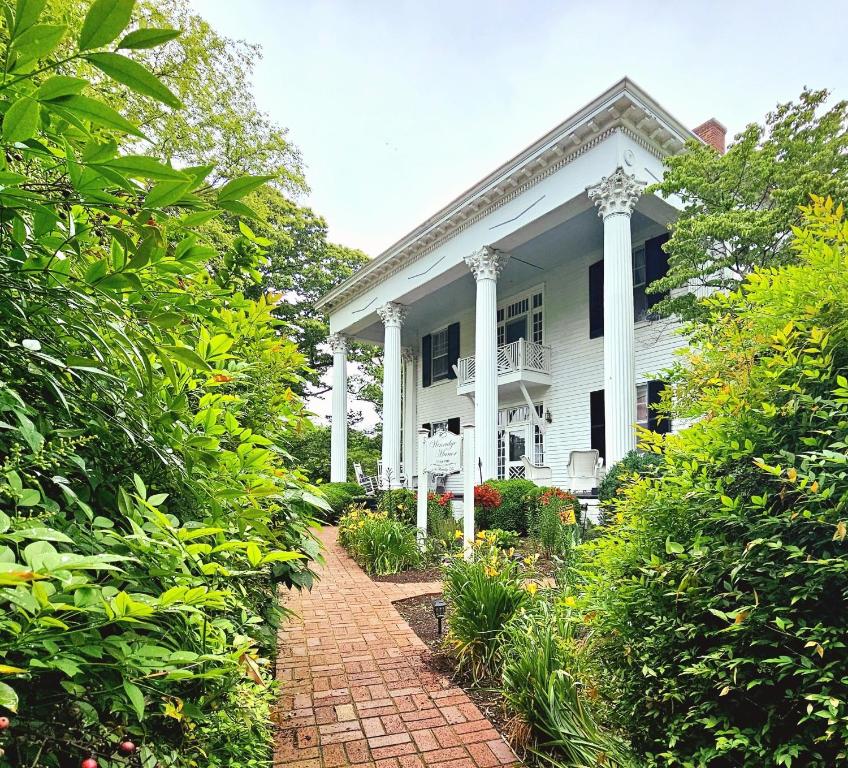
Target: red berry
{"x": 126, "y": 747}
{"x": 4, "y": 723}
{"x": 89, "y": 762}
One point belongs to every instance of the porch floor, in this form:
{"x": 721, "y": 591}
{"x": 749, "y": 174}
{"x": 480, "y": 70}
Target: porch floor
{"x": 356, "y": 689}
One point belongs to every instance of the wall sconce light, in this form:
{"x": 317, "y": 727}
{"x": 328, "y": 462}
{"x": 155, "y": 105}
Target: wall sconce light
{"x": 439, "y": 609}
{"x": 549, "y": 417}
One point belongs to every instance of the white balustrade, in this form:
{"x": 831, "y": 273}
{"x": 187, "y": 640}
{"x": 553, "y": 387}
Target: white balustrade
{"x": 516, "y": 357}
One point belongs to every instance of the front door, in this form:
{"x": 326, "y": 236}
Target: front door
{"x": 516, "y": 447}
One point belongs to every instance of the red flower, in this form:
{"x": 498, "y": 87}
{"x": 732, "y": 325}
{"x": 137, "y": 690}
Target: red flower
{"x": 487, "y": 497}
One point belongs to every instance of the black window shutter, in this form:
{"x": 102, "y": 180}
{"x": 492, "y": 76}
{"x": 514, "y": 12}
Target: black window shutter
{"x": 426, "y": 360}
{"x": 453, "y": 349}
{"x": 596, "y": 300}
{"x": 656, "y": 266}
{"x": 596, "y": 418}
{"x": 658, "y": 422}
{"x": 453, "y": 425}
{"x": 426, "y": 425}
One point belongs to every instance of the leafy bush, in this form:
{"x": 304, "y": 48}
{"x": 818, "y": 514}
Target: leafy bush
{"x": 147, "y": 515}
{"x": 339, "y": 496}
{"x": 542, "y": 684}
{"x": 379, "y": 543}
{"x": 484, "y": 593}
{"x": 400, "y": 504}
{"x": 553, "y": 517}
{"x": 721, "y": 597}
{"x": 497, "y": 537}
{"x": 633, "y": 464}
{"x": 511, "y": 513}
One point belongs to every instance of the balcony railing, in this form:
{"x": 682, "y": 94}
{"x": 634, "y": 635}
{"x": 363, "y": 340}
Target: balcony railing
{"x": 515, "y": 358}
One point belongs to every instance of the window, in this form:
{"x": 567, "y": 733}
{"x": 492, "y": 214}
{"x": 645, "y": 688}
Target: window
{"x": 439, "y": 360}
{"x": 597, "y": 422}
{"x": 538, "y": 440}
{"x": 521, "y": 318}
{"x": 640, "y": 298}
{"x": 596, "y": 300}
{"x": 643, "y": 411}
{"x": 438, "y": 426}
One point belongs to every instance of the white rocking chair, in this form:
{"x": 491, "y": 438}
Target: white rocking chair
{"x": 369, "y": 484}
{"x": 536, "y": 473}
{"x": 584, "y": 470}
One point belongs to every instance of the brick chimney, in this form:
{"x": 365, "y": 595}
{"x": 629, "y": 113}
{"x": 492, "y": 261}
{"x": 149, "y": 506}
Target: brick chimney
{"x": 712, "y": 132}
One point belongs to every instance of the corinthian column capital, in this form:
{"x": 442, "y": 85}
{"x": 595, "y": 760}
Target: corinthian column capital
{"x": 337, "y": 342}
{"x": 616, "y": 194}
{"x": 392, "y": 314}
{"x": 407, "y": 354}
{"x": 487, "y": 263}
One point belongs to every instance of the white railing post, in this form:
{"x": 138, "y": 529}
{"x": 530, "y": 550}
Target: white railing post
{"x": 521, "y": 354}
{"x": 469, "y": 476}
{"x": 423, "y": 486}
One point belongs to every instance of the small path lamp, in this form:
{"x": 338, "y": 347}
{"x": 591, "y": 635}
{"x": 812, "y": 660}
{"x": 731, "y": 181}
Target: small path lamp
{"x": 439, "y": 609}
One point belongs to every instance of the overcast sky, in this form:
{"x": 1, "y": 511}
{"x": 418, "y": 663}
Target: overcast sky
{"x": 398, "y": 106}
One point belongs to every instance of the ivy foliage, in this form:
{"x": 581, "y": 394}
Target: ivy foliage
{"x": 720, "y": 601}
{"x": 146, "y": 509}
{"x": 739, "y": 208}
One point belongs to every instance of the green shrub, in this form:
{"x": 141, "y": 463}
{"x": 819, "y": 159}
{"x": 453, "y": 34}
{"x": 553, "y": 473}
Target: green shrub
{"x": 380, "y": 544}
{"x": 553, "y": 520}
{"x": 497, "y": 537}
{"x": 511, "y": 514}
{"x": 542, "y": 684}
{"x": 339, "y": 496}
{"x": 484, "y": 594}
{"x": 633, "y": 464}
{"x": 720, "y": 598}
{"x": 400, "y": 504}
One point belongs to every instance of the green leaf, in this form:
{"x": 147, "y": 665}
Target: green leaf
{"x": 97, "y": 113}
{"x": 238, "y": 188}
{"x": 8, "y": 697}
{"x": 143, "y": 167}
{"x": 29, "y": 498}
{"x": 105, "y": 20}
{"x": 148, "y": 38}
{"x": 38, "y": 41}
{"x": 166, "y": 193}
{"x": 26, "y": 14}
{"x": 136, "y": 697}
{"x": 39, "y": 534}
{"x": 134, "y": 75}
{"x": 58, "y": 86}
{"x": 21, "y": 120}
{"x": 188, "y": 357}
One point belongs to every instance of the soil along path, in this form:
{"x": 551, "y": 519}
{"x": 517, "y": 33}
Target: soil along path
{"x": 356, "y": 691}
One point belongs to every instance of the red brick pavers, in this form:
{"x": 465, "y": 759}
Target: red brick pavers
{"x": 356, "y": 690}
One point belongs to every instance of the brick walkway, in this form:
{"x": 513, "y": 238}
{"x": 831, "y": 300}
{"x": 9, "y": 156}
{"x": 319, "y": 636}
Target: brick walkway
{"x": 356, "y": 691}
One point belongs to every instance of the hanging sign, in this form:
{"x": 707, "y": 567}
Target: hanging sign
{"x": 444, "y": 453}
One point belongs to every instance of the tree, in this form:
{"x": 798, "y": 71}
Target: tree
{"x": 311, "y": 446}
{"x": 739, "y": 208}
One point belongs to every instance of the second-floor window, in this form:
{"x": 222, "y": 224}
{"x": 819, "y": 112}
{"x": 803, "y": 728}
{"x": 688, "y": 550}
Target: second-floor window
{"x": 440, "y": 359}
{"x": 521, "y": 318}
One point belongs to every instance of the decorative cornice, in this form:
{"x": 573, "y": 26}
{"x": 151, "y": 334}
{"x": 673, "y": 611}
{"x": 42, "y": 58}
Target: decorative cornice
{"x": 487, "y": 263}
{"x": 392, "y": 314}
{"x": 337, "y": 342}
{"x": 617, "y": 194}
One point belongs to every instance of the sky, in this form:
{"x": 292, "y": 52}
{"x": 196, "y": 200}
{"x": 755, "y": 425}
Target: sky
{"x": 399, "y": 106}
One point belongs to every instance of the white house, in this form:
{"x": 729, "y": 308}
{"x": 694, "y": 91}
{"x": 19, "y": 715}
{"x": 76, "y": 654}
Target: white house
{"x": 520, "y": 307}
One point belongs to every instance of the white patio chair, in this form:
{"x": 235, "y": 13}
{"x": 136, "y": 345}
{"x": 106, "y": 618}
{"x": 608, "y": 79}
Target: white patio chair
{"x": 584, "y": 470}
{"x": 369, "y": 484}
{"x": 536, "y": 473}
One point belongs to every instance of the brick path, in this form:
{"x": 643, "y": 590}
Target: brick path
{"x": 356, "y": 691}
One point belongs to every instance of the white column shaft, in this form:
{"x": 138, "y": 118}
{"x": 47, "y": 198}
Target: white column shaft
{"x": 619, "y": 366}
{"x": 338, "y": 430}
{"x": 486, "y": 376}
{"x": 410, "y": 416}
{"x": 392, "y": 316}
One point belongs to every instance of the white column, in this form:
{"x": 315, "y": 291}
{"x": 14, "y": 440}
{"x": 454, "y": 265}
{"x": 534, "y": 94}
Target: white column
{"x": 486, "y": 264}
{"x": 410, "y": 416}
{"x": 616, "y": 197}
{"x": 338, "y": 423}
{"x": 392, "y": 315}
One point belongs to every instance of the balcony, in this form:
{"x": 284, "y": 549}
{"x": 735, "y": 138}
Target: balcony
{"x": 521, "y": 362}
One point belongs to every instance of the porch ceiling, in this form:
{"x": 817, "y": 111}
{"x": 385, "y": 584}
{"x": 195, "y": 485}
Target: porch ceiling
{"x": 528, "y": 266}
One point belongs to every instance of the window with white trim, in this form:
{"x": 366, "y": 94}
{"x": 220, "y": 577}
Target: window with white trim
{"x": 438, "y": 426}
{"x": 640, "y": 282}
{"x": 521, "y": 317}
{"x": 440, "y": 355}
{"x": 643, "y": 412}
